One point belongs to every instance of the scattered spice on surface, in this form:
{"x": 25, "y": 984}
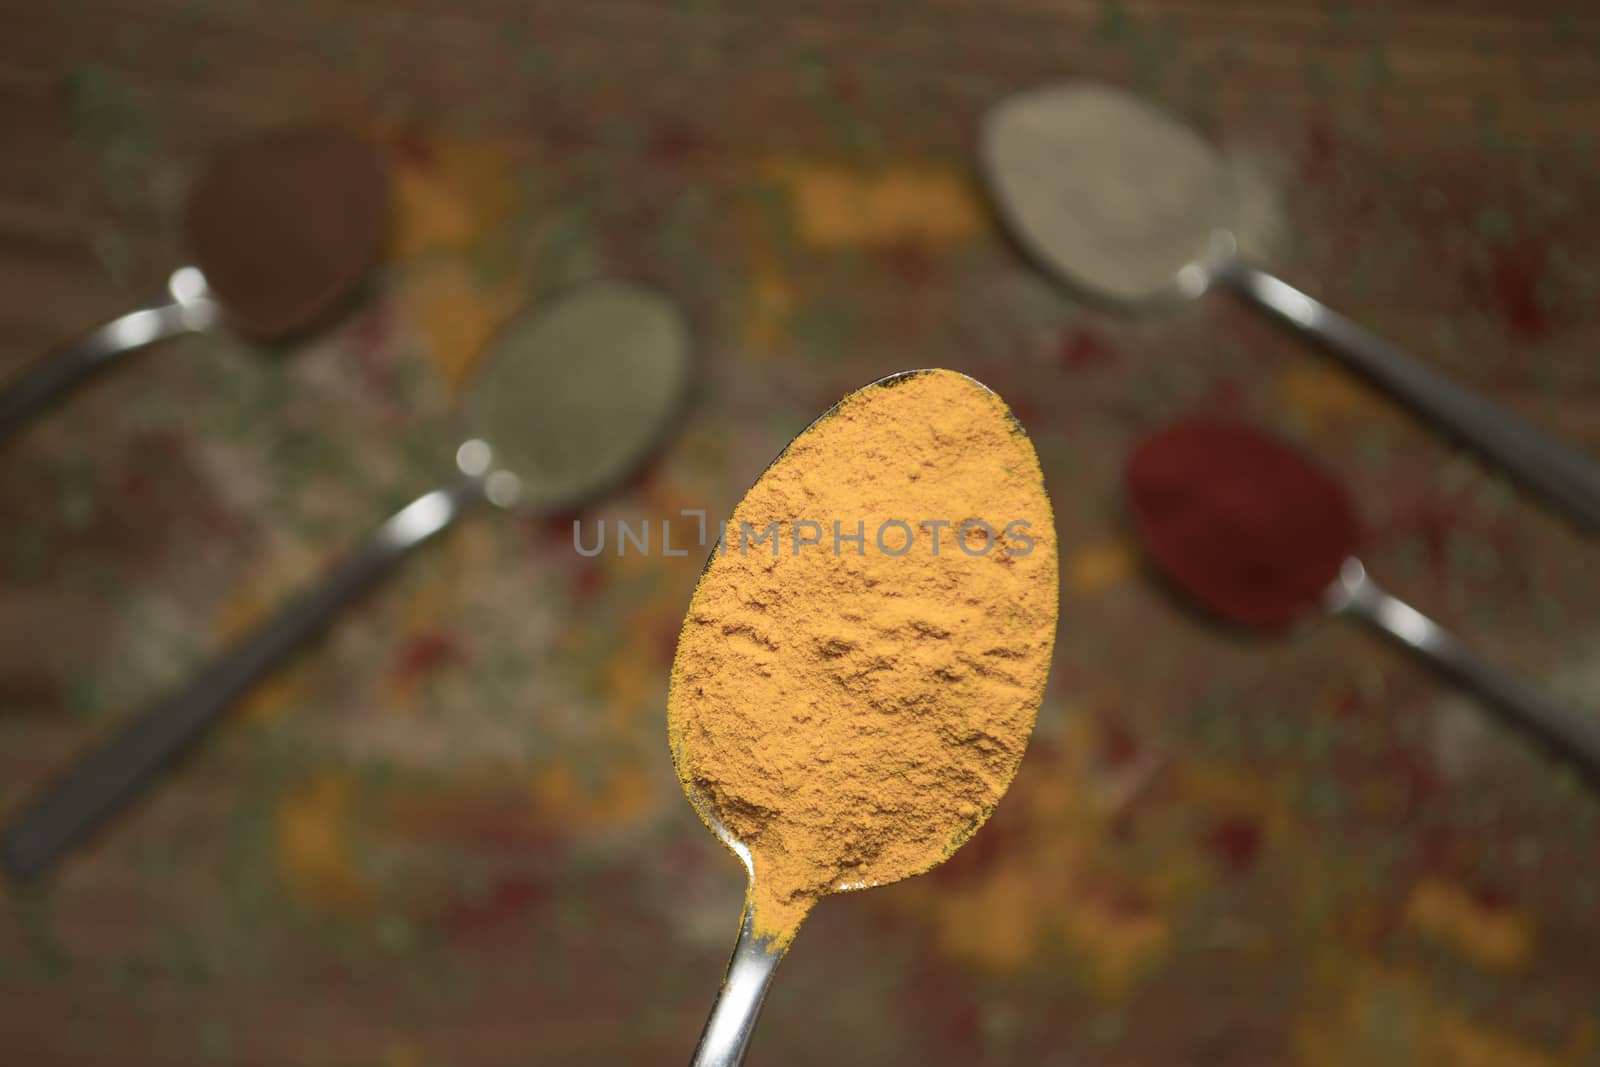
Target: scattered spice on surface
{"x": 852, "y": 718}
{"x": 1244, "y": 523}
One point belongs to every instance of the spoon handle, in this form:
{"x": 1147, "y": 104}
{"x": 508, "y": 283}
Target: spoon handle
{"x": 36, "y": 388}
{"x": 74, "y": 804}
{"x": 738, "y": 1004}
{"x": 1565, "y": 476}
{"x": 1564, "y": 732}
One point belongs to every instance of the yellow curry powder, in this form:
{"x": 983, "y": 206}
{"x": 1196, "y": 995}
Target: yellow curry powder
{"x": 852, "y": 709}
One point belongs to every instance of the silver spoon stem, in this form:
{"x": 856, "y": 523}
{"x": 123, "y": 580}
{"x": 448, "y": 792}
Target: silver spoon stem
{"x": 73, "y": 805}
{"x": 738, "y": 1004}
{"x": 192, "y": 311}
{"x": 1567, "y": 477}
{"x": 1564, "y": 732}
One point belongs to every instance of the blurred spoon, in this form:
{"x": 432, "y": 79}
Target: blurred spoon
{"x": 1132, "y": 207}
{"x": 1259, "y": 535}
{"x": 530, "y": 443}
{"x": 283, "y": 228}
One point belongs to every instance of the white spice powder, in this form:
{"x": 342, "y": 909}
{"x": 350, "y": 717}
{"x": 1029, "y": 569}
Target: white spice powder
{"x": 1104, "y": 188}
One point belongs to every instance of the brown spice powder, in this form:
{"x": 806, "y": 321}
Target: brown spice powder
{"x": 286, "y": 226}
{"x": 854, "y": 718}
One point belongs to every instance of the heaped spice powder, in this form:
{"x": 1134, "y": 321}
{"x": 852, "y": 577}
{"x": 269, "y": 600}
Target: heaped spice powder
{"x": 853, "y": 710}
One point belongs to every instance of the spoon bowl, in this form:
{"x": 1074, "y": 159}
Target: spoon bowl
{"x": 285, "y": 227}
{"x": 1124, "y": 204}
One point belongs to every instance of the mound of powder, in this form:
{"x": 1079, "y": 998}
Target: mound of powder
{"x": 1103, "y": 187}
{"x": 852, "y": 718}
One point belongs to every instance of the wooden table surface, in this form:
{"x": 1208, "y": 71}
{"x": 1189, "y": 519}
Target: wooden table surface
{"x": 449, "y": 835}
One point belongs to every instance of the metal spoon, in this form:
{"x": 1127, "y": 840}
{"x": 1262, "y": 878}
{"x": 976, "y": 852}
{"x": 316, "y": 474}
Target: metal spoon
{"x": 1561, "y": 730}
{"x": 1190, "y": 214}
{"x": 755, "y": 958}
{"x": 647, "y": 369}
{"x": 284, "y": 229}
{"x": 732, "y": 1021}
{"x": 1206, "y": 535}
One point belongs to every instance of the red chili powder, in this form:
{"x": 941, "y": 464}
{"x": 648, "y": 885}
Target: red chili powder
{"x": 1243, "y": 523}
